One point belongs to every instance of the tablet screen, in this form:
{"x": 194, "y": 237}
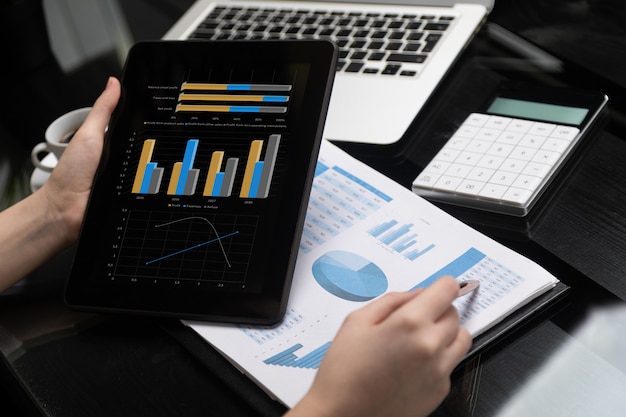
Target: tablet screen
{"x": 198, "y": 205}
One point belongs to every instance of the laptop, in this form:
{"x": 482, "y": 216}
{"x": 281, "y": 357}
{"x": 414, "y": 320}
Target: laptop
{"x": 392, "y": 56}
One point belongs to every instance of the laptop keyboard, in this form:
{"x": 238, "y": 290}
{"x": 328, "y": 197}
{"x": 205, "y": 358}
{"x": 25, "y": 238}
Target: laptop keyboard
{"x": 369, "y": 43}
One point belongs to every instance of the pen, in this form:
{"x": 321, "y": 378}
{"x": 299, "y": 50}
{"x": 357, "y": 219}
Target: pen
{"x": 466, "y": 287}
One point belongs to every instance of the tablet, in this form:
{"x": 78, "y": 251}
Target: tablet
{"x": 199, "y": 200}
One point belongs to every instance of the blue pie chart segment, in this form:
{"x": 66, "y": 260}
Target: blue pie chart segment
{"x": 349, "y": 276}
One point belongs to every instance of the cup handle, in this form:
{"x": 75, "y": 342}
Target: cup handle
{"x": 34, "y": 156}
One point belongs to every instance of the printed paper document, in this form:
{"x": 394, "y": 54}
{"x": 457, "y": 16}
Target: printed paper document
{"x": 366, "y": 235}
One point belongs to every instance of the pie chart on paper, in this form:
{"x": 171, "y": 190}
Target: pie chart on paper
{"x": 349, "y": 276}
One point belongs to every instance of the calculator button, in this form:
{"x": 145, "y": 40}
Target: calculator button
{"x": 513, "y": 165}
{"x": 448, "y": 183}
{"x": 546, "y": 157}
{"x": 479, "y": 146}
{"x": 527, "y": 182}
{"x": 467, "y": 131}
{"x": 489, "y": 134}
{"x": 510, "y": 138}
{"x": 532, "y": 141}
{"x": 556, "y": 145}
{"x": 517, "y": 195}
{"x": 477, "y": 119}
{"x": 523, "y": 153}
{"x": 458, "y": 143}
{"x": 489, "y": 161}
{"x": 498, "y": 122}
{"x": 541, "y": 129}
{"x": 565, "y": 132}
{"x": 425, "y": 180}
{"x": 494, "y": 191}
{"x": 459, "y": 170}
{"x": 468, "y": 158}
{"x": 438, "y": 167}
{"x": 537, "y": 169}
{"x": 470, "y": 187}
{"x": 480, "y": 174}
{"x": 447, "y": 155}
{"x": 501, "y": 150}
{"x": 521, "y": 126}
{"x": 503, "y": 178}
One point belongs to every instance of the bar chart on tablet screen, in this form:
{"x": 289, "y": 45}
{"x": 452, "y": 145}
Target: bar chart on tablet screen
{"x": 208, "y": 167}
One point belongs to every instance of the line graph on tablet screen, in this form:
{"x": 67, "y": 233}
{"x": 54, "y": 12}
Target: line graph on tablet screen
{"x": 198, "y": 247}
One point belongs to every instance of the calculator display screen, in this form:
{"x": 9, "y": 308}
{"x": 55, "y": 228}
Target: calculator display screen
{"x": 538, "y": 111}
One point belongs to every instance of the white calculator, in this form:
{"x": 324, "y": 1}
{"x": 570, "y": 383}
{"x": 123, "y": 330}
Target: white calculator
{"x": 504, "y": 158}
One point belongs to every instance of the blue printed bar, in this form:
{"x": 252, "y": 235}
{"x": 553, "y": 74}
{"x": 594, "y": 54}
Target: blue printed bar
{"x": 456, "y": 268}
{"x": 413, "y": 255}
{"x": 392, "y": 236}
{"x": 405, "y": 243}
{"x": 380, "y": 229}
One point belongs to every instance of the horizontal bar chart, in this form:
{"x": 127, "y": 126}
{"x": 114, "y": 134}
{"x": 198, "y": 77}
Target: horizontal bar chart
{"x": 233, "y": 98}
{"x": 288, "y": 357}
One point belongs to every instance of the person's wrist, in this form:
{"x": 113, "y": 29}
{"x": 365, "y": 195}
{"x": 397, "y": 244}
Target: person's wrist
{"x": 62, "y": 214}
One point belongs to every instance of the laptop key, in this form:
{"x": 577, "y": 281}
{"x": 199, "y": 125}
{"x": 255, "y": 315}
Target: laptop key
{"x": 391, "y": 69}
{"x": 408, "y": 58}
{"x": 354, "y": 67}
{"x": 376, "y": 56}
{"x": 439, "y": 27}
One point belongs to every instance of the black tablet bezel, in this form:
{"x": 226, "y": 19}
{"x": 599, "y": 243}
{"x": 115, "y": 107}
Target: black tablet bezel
{"x": 92, "y": 284}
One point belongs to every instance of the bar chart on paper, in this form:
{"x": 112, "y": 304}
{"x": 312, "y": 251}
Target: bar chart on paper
{"x": 205, "y": 170}
{"x": 289, "y": 358}
{"x": 401, "y": 238}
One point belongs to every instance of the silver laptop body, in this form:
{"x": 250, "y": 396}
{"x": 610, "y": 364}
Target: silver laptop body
{"x": 373, "y": 101}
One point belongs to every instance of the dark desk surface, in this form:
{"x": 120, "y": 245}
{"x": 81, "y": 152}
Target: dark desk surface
{"x": 566, "y": 361}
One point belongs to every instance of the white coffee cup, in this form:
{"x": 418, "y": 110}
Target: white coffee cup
{"x": 58, "y": 136}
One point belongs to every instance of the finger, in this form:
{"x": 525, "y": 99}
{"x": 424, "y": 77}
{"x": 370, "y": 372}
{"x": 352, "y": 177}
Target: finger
{"x": 436, "y": 299}
{"x": 99, "y": 116}
{"x": 381, "y": 308}
{"x": 456, "y": 350}
{"x": 447, "y": 326}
